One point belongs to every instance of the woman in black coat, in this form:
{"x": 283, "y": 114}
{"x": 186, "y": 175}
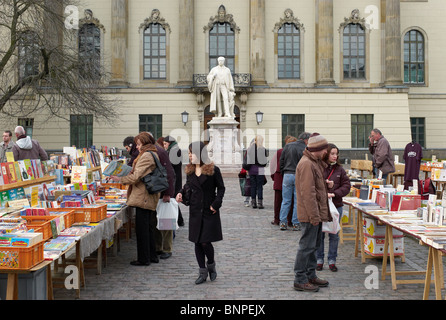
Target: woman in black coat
{"x": 203, "y": 192}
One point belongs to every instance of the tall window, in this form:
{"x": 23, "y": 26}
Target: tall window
{"x": 222, "y": 43}
{"x": 417, "y": 126}
{"x": 81, "y": 131}
{"x": 288, "y": 53}
{"x": 90, "y": 50}
{"x": 354, "y": 51}
{"x": 292, "y": 125}
{"x": 27, "y": 124}
{"x": 154, "y": 52}
{"x": 151, "y": 123}
{"x": 414, "y": 66}
{"x": 362, "y": 125}
{"x": 28, "y": 54}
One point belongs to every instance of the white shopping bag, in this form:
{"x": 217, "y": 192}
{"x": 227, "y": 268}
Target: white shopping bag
{"x": 332, "y": 226}
{"x": 167, "y": 215}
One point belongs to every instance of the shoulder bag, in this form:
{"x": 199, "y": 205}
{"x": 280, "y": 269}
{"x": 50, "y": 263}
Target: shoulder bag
{"x": 156, "y": 181}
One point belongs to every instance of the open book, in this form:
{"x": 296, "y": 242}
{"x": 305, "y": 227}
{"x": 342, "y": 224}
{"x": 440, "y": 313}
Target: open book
{"x": 117, "y": 168}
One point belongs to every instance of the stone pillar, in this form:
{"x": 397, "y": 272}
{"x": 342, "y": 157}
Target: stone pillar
{"x": 257, "y": 41}
{"x": 186, "y": 35}
{"x": 119, "y": 42}
{"x": 393, "y": 44}
{"x": 324, "y": 43}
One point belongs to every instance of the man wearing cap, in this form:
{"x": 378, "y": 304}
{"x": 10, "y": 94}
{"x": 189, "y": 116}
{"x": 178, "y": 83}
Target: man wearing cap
{"x": 312, "y": 210}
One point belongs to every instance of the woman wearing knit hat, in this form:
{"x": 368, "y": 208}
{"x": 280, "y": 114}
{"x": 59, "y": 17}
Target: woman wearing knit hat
{"x": 312, "y": 210}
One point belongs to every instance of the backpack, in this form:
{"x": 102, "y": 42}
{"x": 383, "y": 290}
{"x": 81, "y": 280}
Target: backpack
{"x": 156, "y": 181}
{"x": 425, "y": 188}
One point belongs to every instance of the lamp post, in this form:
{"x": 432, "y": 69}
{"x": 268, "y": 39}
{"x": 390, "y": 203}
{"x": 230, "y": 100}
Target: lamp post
{"x": 184, "y": 117}
{"x": 259, "y": 117}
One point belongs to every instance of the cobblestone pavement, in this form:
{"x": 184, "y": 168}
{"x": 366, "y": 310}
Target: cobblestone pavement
{"x": 254, "y": 262}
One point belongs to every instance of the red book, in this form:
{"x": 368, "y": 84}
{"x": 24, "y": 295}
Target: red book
{"x": 5, "y": 172}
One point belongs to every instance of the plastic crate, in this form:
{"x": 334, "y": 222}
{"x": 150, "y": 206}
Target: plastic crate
{"x": 114, "y": 185}
{"x": 68, "y": 217}
{"x": 12, "y": 258}
{"x": 40, "y": 224}
{"x": 87, "y": 214}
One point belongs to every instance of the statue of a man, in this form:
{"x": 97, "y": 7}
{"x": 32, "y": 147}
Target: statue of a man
{"x": 221, "y": 87}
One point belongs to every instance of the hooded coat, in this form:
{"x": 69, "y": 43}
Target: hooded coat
{"x": 27, "y": 148}
{"x": 206, "y": 190}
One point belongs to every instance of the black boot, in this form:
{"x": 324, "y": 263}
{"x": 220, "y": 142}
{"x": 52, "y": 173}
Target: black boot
{"x": 261, "y": 204}
{"x": 202, "y": 275}
{"x": 254, "y": 203}
{"x": 212, "y": 271}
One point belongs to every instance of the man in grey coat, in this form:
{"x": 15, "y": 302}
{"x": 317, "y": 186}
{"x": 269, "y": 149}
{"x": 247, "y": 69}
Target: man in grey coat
{"x": 382, "y": 154}
{"x": 27, "y": 148}
{"x": 6, "y": 145}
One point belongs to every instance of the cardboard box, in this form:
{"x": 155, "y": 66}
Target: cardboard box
{"x": 374, "y": 229}
{"x": 405, "y": 202}
{"x": 375, "y": 246}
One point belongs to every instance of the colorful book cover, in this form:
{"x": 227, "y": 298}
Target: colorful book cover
{"x": 44, "y": 168}
{"x": 29, "y": 169}
{"x": 4, "y": 198}
{"x": 23, "y": 172}
{"x": 78, "y": 174}
{"x": 17, "y": 171}
{"x": 5, "y": 173}
{"x": 21, "y": 193}
{"x": 11, "y": 171}
{"x": 39, "y": 168}
{"x": 12, "y": 194}
{"x": 1, "y": 177}
{"x": 51, "y": 167}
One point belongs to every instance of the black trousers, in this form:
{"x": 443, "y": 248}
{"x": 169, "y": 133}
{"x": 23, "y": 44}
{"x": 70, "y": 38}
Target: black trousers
{"x": 145, "y": 224}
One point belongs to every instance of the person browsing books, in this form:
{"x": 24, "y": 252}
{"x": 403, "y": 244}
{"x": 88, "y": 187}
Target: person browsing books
{"x": 27, "y": 148}
{"x": 145, "y": 203}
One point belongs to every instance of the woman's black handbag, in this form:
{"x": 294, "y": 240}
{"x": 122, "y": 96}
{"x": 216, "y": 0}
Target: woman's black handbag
{"x": 156, "y": 181}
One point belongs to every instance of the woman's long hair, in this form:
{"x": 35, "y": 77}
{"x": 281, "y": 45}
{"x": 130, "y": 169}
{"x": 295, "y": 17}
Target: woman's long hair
{"x": 199, "y": 149}
{"x": 147, "y": 144}
{"x": 331, "y": 146}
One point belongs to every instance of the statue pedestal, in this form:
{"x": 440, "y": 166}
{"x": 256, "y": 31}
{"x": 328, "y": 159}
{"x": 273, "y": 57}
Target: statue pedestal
{"x": 223, "y": 148}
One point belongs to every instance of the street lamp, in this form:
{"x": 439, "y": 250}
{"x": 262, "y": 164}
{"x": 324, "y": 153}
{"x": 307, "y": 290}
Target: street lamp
{"x": 184, "y": 117}
{"x": 259, "y": 117}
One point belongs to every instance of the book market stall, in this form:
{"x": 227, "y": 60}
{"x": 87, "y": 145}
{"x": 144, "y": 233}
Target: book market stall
{"x": 44, "y": 220}
{"x": 386, "y": 214}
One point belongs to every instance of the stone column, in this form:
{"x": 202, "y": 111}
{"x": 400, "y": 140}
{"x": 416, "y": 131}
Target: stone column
{"x": 186, "y": 35}
{"x": 324, "y": 43}
{"x": 393, "y": 44}
{"x": 257, "y": 41}
{"x": 119, "y": 42}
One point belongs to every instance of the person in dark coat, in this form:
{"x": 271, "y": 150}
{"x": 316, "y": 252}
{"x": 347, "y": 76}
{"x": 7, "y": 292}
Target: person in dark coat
{"x": 130, "y": 146}
{"x": 341, "y": 187}
{"x": 176, "y": 157}
{"x": 203, "y": 192}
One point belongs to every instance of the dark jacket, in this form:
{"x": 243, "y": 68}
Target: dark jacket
{"x": 276, "y": 176}
{"x": 291, "y": 155}
{"x": 164, "y": 160}
{"x": 341, "y": 186}
{"x": 382, "y": 156}
{"x": 256, "y": 158}
{"x": 311, "y": 190}
{"x": 206, "y": 190}
{"x": 27, "y": 148}
{"x": 133, "y": 154}
{"x": 175, "y": 157}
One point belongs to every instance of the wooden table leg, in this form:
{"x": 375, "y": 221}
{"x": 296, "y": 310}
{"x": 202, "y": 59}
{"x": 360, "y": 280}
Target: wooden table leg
{"x": 437, "y": 276}
{"x": 12, "y": 288}
{"x": 389, "y": 235}
{"x": 49, "y": 283}
{"x": 427, "y": 282}
{"x": 386, "y": 251}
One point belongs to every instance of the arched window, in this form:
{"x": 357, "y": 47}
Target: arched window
{"x": 354, "y": 58}
{"x": 154, "y": 52}
{"x": 222, "y": 43}
{"x": 90, "y": 50}
{"x": 288, "y": 52}
{"x": 28, "y": 54}
{"x": 414, "y": 62}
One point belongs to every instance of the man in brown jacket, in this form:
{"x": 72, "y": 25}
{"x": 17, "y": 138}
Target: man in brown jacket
{"x": 381, "y": 153}
{"x": 27, "y": 148}
{"x": 312, "y": 210}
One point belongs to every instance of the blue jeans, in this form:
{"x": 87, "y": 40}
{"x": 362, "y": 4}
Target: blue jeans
{"x": 257, "y": 186}
{"x": 305, "y": 263}
{"x": 333, "y": 240}
{"x": 288, "y": 193}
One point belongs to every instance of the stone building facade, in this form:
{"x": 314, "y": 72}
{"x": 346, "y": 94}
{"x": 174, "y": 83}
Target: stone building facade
{"x": 335, "y": 67}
